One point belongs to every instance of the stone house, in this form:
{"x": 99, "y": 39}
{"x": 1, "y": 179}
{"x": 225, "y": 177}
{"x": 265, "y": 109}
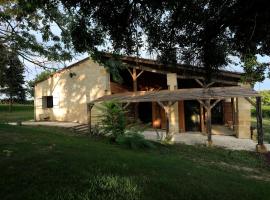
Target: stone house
{"x": 65, "y": 95}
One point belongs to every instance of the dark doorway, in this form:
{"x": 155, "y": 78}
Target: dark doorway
{"x": 192, "y": 115}
{"x": 145, "y": 112}
{"x": 217, "y": 113}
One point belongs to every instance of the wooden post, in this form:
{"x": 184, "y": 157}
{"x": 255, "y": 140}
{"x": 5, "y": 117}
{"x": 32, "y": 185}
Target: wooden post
{"x": 259, "y": 120}
{"x": 167, "y": 121}
{"x": 208, "y": 122}
{"x": 90, "y": 106}
{"x": 202, "y": 118}
{"x": 233, "y": 113}
{"x": 166, "y": 109}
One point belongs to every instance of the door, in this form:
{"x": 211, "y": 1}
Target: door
{"x": 192, "y": 115}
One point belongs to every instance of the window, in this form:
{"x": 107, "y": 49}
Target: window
{"x": 47, "y": 101}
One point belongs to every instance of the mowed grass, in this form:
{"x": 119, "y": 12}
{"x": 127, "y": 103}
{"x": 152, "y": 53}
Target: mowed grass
{"x": 51, "y": 163}
{"x": 20, "y": 112}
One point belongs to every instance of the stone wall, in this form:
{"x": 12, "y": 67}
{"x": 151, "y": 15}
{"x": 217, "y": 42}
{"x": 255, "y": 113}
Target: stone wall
{"x": 173, "y": 112}
{"x": 71, "y": 93}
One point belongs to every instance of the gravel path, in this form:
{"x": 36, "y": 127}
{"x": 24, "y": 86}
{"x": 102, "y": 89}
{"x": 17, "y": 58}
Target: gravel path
{"x": 193, "y": 138}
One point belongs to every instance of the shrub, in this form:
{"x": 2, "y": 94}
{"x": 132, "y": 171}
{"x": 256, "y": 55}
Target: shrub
{"x": 113, "y": 120}
{"x": 265, "y": 112}
{"x": 134, "y": 139}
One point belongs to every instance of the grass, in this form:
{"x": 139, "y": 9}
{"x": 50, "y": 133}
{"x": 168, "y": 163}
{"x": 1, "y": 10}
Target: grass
{"x": 20, "y": 112}
{"x": 49, "y": 163}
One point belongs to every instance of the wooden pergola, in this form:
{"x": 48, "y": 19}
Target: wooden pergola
{"x": 207, "y": 97}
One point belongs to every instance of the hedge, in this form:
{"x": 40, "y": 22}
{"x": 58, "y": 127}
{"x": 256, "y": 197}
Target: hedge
{"x": 265, "y": 112}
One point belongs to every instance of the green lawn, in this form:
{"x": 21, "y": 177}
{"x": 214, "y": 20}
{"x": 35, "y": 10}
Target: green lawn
{"x": 20, "y": 112}
{"x": 49, "y": 163}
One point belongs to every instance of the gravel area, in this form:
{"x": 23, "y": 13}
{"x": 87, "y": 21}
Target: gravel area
{"x": 194, "y": 138}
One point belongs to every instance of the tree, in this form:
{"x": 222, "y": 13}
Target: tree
{"x": 13, "y": 79}
{"x": 28, "y": 31}
{"x": 253, "y": 70}
{"x": 197, "y": 32}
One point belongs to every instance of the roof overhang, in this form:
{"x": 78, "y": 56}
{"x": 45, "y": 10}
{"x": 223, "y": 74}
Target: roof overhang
{"x": 180, "y": 94}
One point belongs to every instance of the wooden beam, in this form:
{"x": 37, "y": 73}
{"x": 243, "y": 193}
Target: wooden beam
{"x": 202, "y": 103}
{"x": 259, "y": 120}
{"x": 159, "y": 71}
{"x": 215, "y": 103}
{"x": 129, "y": 71}
{"x": 126, "y": 105}
{"x": 140, "y": 74}
{"x": 251, "y": 101}
{"x": 209, "y": 84}
{"x": 199, "y": 82}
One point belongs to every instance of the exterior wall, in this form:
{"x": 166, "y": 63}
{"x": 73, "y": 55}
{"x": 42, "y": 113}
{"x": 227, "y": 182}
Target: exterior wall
{"x": 243, "y": 118}
{"x": 173, "y": 112}
{"x": 71, "y": 95}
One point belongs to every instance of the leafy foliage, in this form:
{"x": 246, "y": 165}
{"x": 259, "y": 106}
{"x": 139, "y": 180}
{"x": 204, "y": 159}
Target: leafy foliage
{"x": 134, "y": 139}
{"x": 12, "y": 78}
{"x": 253, "y": 70}
{"x": 265, "y": 112}
{"x": 113, "y": 119}
{"x": 27, "y": 28}
{"x": 265, "y": 97}
{"x": 197, "y": 32}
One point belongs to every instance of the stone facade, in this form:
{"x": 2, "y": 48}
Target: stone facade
{"x": 71, "y": 89}
{"x": 173, "y": 111}
{"x": 243, "y": 118}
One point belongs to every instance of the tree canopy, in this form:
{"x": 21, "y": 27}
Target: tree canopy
{"x": 197, "y": 32}
{"x": 12, "y": 78}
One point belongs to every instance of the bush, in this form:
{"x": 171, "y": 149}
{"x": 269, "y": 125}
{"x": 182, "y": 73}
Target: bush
{"x": 113, "y": 121}
{"x": 265, "y": 112}
{"x": 134, "y": 139}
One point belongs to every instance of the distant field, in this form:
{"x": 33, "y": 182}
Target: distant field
{"x": 20, "y": 112}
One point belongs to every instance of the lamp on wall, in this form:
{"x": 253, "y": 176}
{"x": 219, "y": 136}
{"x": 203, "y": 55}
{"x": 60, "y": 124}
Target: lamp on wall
{"x": 71, "y": 74}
